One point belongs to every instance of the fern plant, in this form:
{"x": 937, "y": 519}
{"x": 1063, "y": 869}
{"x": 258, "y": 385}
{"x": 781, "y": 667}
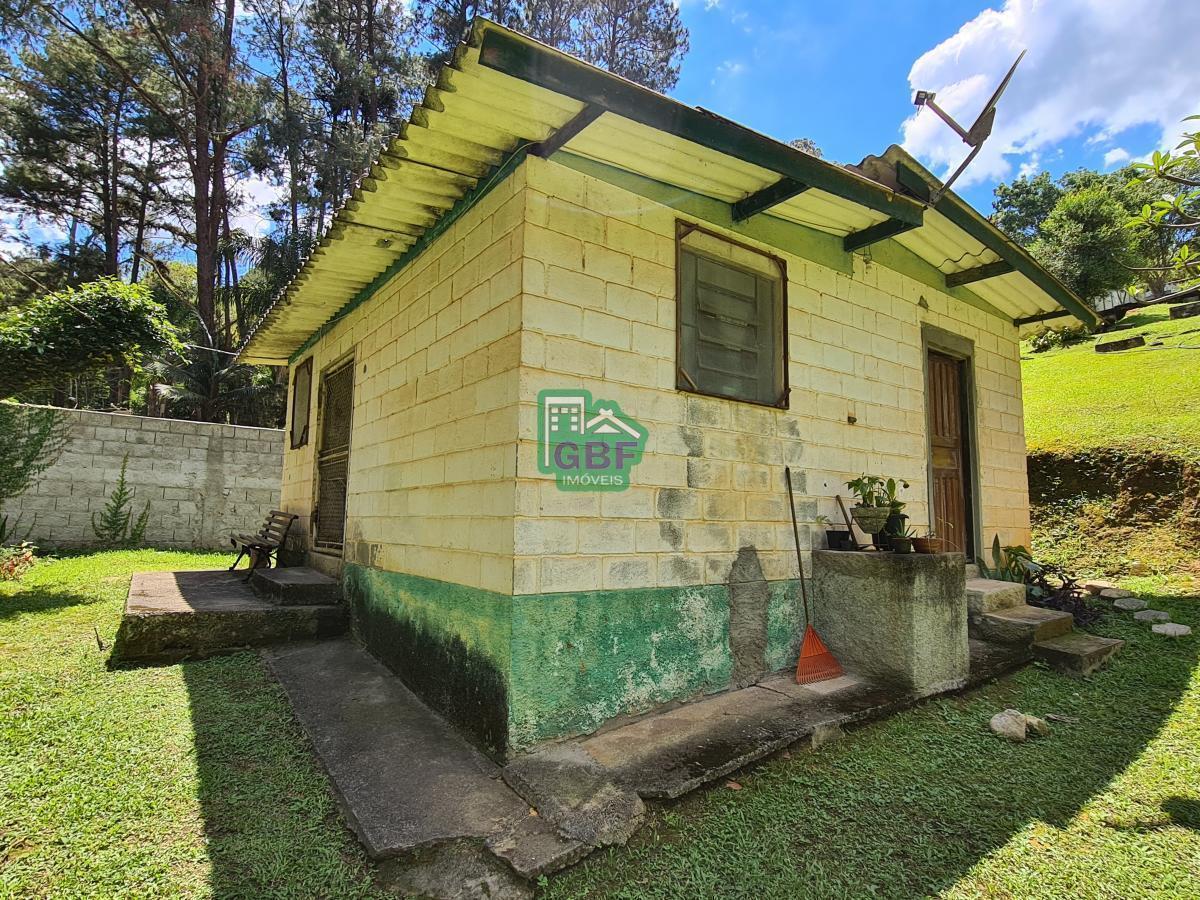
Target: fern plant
{"x": 116, "y": 525}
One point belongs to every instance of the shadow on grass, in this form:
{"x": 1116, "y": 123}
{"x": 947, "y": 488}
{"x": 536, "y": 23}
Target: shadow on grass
{"x": 39, "y": 601}
{"x": 269, "y": 817}
{"x": 908, "y": 806}
{"x": 1184, "y": 812}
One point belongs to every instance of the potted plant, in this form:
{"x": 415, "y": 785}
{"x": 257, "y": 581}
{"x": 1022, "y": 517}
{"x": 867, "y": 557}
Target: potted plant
{"x": 835, "y": 538}
{"x": 929, "y": 543}
{"x": 874, "y": 507}
{"x": 903, "y": 543}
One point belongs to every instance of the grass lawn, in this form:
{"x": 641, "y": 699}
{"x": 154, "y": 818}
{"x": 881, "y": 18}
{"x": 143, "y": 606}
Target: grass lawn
{"x": 1148, "y": 399}
{"x": 193, "y": 780}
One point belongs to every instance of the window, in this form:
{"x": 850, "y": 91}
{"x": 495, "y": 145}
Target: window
{"x": 301, "y": 401}
{"x": 732, "y": 325}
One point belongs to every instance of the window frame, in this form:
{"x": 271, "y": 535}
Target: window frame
{"x": 683, "y": 381}
{"x": 295, "y": 444}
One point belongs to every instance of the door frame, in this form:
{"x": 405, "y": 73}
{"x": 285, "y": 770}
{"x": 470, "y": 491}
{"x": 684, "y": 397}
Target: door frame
{"x": 947, "y": 343}
{"x": 343, "y": 361}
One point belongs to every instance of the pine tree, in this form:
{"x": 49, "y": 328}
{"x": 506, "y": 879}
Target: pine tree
{"x": 116, "y": 526}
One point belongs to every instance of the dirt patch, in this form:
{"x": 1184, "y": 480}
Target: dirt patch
{"x": 1116, "y": 512}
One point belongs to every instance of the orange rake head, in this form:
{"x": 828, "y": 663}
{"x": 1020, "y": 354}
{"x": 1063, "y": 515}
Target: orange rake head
{"x": 816, "y": 662}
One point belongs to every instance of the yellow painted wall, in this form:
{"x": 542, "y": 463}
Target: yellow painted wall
{"x": 599, "y": 314}
{"x": 432, "y": 455}
{"x": 443, "y": 475}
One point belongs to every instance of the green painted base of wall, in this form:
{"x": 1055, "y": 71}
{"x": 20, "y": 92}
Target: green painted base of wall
{"x": 578, "y": 660}
{"x": 514, "y": 671}
{"x": 447, "y": 642}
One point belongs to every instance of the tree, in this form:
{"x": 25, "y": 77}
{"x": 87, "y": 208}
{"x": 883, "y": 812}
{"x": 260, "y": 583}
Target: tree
{"x": 1084, "y": 241}
{"x": 806, "y": 145}
{"x": 196, "y": 80}
{"x": 642, "y": 40}
{"x": 1170, "y": 215}
{"x": 1020, "y": 208}
{"x": 101, "y": 323}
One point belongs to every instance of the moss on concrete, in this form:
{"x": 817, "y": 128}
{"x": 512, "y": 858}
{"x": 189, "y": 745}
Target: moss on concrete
{"x": 514, "y": 671}
{"x": 449, "y": 643}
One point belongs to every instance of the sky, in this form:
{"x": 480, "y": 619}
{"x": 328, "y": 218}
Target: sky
{"x": 1104, "y": 81}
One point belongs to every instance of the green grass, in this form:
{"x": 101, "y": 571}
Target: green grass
{"x": 186, "y": 780}
{"x": 1147, "y": 399}
{"x": 194, "y": 780}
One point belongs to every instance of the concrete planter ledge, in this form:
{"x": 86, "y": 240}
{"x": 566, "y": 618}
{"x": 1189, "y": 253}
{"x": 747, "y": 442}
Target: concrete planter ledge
{"x": 896, "y": 618}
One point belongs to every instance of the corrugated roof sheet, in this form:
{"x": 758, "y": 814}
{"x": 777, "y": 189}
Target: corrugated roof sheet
{"x": 475, "y": 117}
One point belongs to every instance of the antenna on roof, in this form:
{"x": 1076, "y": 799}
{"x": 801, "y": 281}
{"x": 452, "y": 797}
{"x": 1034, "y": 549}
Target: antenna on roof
{"x": 974, "y": 136}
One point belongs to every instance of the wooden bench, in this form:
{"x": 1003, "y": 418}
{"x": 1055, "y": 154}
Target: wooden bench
{"x": 263, "y": 546}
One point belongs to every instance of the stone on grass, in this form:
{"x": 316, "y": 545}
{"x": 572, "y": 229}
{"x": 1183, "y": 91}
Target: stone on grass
{"x": 1034, "y": 725}
{"x": 1115, "y": 593}
{"x": 1129, "y": 604}
{"x": 1095, "y": 586}
{"x": 1009, "y": 724}
{"x": 1171, "y": 629}
{"x": 1152, "y": 615}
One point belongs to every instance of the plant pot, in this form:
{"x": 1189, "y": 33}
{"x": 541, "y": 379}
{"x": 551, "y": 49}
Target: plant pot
{"x": 901, "y": 544}
{"x": 838, "y": 539}
{"x": 927, "y": 545}
{"x": 871, "y": 519}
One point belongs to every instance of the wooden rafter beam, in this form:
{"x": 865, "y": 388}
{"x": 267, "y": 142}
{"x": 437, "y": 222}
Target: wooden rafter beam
{"x": 752, "y": 204}
{"x": 979, "y": 273}
{"x": 585, "y": 117}
{"x": 880, "y": 231}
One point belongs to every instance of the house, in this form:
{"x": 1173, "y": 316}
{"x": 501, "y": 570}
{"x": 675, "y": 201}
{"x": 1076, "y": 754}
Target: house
{"x": 552, "y": 356}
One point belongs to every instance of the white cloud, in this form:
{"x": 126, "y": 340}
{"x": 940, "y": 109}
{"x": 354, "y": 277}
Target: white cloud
{"x": 1115, "y": 157}
{"x": 730, "y": 68}
{"x": 254, "y": 195}
{"x": 1094, "y": 69}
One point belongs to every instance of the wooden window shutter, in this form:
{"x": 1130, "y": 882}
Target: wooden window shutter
{"x": 301, "y": 403}
{"x": 730, "y": 331}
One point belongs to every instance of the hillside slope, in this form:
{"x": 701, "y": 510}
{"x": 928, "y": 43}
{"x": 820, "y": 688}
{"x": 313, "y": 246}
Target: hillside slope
{"x": 1146, "y": 399}
{"x": 1114, "y": 450}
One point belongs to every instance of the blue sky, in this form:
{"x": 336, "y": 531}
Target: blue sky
{"x": 1093, "y": 90}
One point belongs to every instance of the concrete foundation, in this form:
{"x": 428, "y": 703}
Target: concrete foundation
{"x": 896, "y": 618}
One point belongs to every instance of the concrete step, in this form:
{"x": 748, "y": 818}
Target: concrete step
{"x": 172, "y": 616}
{"x": 296, "y": 586}
{"x": 1077, "y": 653}
{"x": 1019, "y": 624}
{"x": 985, "y": 595}
{"x": 973, "y": 571}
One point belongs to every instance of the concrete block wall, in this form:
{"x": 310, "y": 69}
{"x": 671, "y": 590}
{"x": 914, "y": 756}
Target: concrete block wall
{"x": 599, "y": 314}
{"x": 202, "y": 480}
{"x": 432, "y": 455}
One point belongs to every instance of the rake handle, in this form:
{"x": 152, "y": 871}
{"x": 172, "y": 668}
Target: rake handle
{"x": 787, "y": 472}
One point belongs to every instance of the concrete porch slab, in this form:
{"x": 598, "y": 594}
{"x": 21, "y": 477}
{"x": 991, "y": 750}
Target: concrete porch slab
{"x": 171, "y": 616}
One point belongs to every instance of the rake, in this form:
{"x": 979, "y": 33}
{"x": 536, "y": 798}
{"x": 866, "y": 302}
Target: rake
{"x": 816, "y": 663}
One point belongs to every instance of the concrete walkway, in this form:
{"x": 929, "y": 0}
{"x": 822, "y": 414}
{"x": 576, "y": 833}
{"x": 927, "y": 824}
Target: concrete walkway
{"x": 455, "y": 824}
{"x": 405, "y": 778}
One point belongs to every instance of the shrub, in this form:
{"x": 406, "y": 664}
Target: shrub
{"x": 116, "y": 526}
{"x": 1053, "y": 338}
{"x": 16, "y": 561}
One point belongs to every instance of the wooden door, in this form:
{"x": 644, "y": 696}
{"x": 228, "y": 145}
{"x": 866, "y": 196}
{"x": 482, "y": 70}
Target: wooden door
{"x": 335, "y": 403}
{"x": 950, "y": 454}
